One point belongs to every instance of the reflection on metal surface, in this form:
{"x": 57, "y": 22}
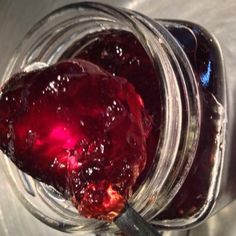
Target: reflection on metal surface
{"x": 223, "y": 223}
{"x": 3, "y": 224}
{"x": 176, "y": 233}
{"x": 134, "y": 3}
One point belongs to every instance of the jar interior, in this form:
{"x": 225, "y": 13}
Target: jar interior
{"x": 69, "y": 32}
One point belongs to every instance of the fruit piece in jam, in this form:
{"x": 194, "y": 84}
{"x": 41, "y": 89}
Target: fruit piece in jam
{"x": 78, "y": 128}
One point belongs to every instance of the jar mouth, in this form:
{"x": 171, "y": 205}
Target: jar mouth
{"x": 48, "y": 40}
{"x": 185, "y": 139}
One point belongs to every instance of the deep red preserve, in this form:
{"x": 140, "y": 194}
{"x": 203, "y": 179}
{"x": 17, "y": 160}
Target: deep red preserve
{"x": 120, "y": 53}
{"x": 92, "y": 131}
{"x": 78, "y": 128}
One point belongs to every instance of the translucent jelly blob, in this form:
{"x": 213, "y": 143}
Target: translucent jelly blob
{"x": 78, "y": 128}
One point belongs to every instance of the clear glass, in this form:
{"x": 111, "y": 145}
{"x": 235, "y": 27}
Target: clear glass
{"x": 49, "y": 40}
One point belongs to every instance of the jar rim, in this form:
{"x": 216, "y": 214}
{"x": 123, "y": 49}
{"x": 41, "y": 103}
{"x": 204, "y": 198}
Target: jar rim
{"x": 157, "y": 186}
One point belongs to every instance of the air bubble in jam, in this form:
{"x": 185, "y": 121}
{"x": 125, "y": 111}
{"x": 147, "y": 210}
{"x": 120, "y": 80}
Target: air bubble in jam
{"x": 78, "y": 128}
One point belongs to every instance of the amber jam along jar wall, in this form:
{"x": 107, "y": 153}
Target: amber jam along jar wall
{"x": 181, "y": 80}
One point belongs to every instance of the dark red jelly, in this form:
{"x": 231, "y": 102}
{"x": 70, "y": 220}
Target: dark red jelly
{"x": 92, "y": 132}
{"x": 120, "y": 53}
{"x": 78, "y": 128}
{"x": 205, "y": 58}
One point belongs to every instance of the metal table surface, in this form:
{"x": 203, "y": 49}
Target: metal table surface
{"x": 17, "y": 17}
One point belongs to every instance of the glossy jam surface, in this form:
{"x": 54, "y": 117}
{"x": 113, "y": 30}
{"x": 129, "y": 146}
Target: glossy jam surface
{"x": 93, "y": 134}
{"x": 121, "y": 54}
{"x": 78, "y": 128}
{"x": 205, "y": 59}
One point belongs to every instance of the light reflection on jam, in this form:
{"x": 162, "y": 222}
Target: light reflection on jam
{"x": 78, "y": 128}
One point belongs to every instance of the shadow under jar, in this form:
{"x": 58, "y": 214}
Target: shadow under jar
{"x": 177, "y": 69}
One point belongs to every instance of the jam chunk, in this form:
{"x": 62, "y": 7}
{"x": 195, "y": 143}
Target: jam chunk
{"x": 78, "y": 128}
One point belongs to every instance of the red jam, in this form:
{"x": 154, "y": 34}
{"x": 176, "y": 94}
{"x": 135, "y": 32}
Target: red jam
{"x": 78, "y": 128}
{"x": 121, "y": 54}
{"x": 92, "y": 134}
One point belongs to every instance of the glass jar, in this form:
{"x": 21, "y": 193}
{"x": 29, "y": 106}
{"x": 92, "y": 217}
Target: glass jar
{"x": 183, "y": 183}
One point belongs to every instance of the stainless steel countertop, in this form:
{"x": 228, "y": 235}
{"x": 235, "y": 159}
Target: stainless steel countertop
{"x": 17, "y": 17}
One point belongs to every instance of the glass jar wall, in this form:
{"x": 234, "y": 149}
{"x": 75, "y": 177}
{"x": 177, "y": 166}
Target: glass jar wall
{"x": 217, "y": 99}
